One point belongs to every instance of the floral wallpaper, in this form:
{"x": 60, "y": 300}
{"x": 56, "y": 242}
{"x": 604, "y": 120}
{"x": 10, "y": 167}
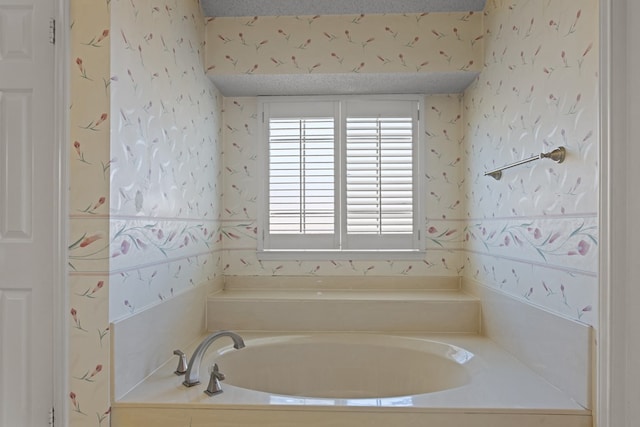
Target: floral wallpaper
{"x": 145, "y": 175}
{"x": 343, "y": 44}
{"x": 88, "y": 316}
{"x": 165, "y": 155}
{"x": 163, "y": 193}
{"x": 537, "y": 90}
{"x": 534, "y": 233}
{"x": 444, "y": 223}
{"x": 426, "y": 42}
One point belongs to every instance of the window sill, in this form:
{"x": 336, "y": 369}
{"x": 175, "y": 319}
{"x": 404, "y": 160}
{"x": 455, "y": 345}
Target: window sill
{"x": 328, "y": 255}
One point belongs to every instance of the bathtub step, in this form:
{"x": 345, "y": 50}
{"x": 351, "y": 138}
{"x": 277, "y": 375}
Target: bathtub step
{"x": 343, "y": 283}
{"x": 434, "y": 311}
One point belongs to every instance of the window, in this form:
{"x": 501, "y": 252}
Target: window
{"x": 341, "y": 174}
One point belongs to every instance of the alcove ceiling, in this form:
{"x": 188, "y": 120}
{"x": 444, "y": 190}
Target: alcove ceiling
{"x": 342, "y": 84}
{"x": 241, "y": 85}
{"x": 223, "y": 8}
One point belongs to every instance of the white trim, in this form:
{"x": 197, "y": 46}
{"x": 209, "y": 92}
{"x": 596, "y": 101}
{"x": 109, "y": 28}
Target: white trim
{"x": 262, "y": 153}
{"x": 61, "y": 296}
{"x": 602, "y": 396}
{"x": 278, "y": 246}
{"x": 355, "y": 255}
{"x": 618, "y": 388}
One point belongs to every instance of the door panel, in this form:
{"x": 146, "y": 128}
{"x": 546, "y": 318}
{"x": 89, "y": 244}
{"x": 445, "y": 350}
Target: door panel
{"x": 28, "y": 212}
{"x": 16, "y": 153}
{"x": 15, "y": 312}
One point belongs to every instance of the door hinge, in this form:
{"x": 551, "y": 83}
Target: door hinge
{"x": 52, "y": 30}
{"x": 52, "y": 418}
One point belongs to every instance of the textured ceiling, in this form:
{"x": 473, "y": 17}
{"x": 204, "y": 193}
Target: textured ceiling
{"x": 333, "y": 7}
{"x": 342, "y": 84}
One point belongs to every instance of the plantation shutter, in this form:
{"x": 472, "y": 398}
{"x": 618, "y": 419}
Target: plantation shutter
{"x": 379, "y": 173}
{"x": 341, "y": 174}
{"x": 302, "y": 175}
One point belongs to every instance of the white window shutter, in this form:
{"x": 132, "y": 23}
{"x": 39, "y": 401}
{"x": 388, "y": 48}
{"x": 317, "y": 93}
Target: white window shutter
{"x": 342, "y": 174}
{"x": 302, "y": 176}
{"x": 379, "y": 170}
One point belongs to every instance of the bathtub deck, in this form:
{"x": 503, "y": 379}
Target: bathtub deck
{"x": 408, "y": 310}
{"x": 503, "y": 392}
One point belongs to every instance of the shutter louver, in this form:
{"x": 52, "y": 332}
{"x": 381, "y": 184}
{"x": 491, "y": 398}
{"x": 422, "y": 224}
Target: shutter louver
{"x": 301, "y": 176}
{"x": 379, "y": 175}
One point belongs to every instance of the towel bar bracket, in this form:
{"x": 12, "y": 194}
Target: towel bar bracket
{"x": 558, "y": 155}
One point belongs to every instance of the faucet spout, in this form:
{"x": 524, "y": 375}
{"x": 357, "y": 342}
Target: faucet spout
{"x": 192, "y": 376}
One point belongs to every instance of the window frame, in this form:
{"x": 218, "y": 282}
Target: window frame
{"x": 266, "y": 250}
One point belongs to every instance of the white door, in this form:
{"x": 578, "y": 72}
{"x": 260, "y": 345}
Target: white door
{"x": 27, "y": 212}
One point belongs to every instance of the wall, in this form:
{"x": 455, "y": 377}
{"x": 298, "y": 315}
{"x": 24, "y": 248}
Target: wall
{"x": 145, "y": 189}
{"x": 345, "y": 44}
{"x": 500, "y": 114}
{"x": 534, "y": 234}
{"x": 444, "y": 226}
{"x": 89, "y": 348}
{"x": 165, "y": 152}
{"x": 435, "y": 42}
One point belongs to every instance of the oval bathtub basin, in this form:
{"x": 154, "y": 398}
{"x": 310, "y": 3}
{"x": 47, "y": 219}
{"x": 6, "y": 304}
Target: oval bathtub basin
{"x": 347, "y": 366}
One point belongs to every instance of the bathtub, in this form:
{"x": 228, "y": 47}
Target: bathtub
{"x": 345, "y": 366}
{"x": 353, "y": 379}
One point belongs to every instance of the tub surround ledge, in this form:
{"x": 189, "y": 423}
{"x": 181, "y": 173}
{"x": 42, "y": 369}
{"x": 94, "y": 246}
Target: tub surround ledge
{"x": 506, "y": 387}
{"x": 145, "y": 341}
{"x": 342, "y": 283}
{"x": 502, "y": 392}
{"x": 203, "y": 417}
{"x": 343, "y": 303}
{"x": 564, "y": 359}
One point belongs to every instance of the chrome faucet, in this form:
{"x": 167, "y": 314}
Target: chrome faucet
{"x": 182, "y": 362}
{"x": 192, "y": 376}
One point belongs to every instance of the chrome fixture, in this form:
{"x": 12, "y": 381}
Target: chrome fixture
{"x": 192, "y": 376}
{"x": 556, "y": 155}
{"x": 214, "y": 381}
{"x": 182, "y": 362}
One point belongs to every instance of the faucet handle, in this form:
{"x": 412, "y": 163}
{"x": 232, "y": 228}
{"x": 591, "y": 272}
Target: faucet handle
{"x": 182, "y": 362}
{"x": 214, "y": 381}
{"x": 216, "y": 372}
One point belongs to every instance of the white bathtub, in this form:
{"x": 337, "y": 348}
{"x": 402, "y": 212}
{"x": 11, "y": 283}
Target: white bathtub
{"x": 345, "y": 366}
{"x": 349, "y": 380}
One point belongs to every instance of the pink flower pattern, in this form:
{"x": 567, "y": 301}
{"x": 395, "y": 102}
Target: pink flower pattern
{"x": 133, "y": 205}
{"x": 535, "y": 94}
{"x": 155, "y": 98}
{"x": 345, "y": 44}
